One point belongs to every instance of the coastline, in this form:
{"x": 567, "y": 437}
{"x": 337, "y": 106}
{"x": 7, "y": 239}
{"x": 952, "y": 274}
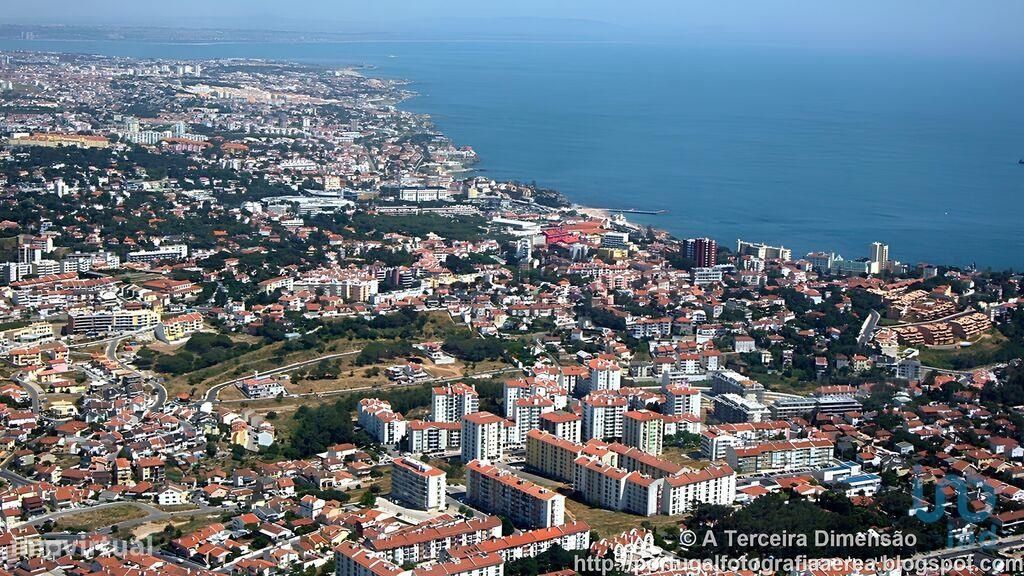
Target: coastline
{"x": 600, "y": 213}
{"x": 928, "y": 232}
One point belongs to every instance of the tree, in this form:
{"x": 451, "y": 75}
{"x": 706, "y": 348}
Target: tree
{"x": 507, "y": 527}
{"x": 368, "y": 499}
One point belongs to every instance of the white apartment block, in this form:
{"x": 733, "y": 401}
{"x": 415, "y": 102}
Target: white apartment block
{"x": 681, "y": 399}
{"x": 635, "y": 460}
{"x": 523, "y": 502}
{"x": 565, "y": 425}
{"x": 452, "y": 402}
{"x": 552, "y": 456}
{"x": 433, "y": 437}
{"x": 736, "y": 408}
{"x": 551, "y": 388}
{"x": 606, "y": 486}
{"x": 717, "y": 439}
{"x": 112, "y": 321}
{"x": 169, "y": 252}
{"x": 528, "y": 414}
{"x": 602, "y": 415}
{"x": 351, "y": 559}
{"x": 604, "y": 375}
{"x": 711, "y": 485}
{"x": 380, "y": 421}
{"x": 418, "y": 484}
{"x": 644, "y": 430}
{"x": 483, "y": 565}
{"x": 429, "y": 539}
{"x": 483, "y": 436}
{"x": 731, "y": 382}
{"x": 528, "y": 544}
{"x": 774, "y": 456}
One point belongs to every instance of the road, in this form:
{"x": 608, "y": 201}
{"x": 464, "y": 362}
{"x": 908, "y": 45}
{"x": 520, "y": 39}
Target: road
{"x": 13, "y": 478}
{"x": 387, "y": 387}
{"x": 972, "y": 549}
{"x": 159, "y": 391}
{"x": 963, "y": 372}
{"x": 114, "y": 338}
{"x": 213, "y": 393}
{"x": 32, "y": 389}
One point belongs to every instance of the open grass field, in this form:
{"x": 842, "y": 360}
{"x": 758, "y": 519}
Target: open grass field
{"x": 185, "y": 523}
{"x": 776, "y": 382}
{"x": 609, "y": 523}
{"x": 677, "y": 455}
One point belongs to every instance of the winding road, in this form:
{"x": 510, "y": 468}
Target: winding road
{"x": 214, "y": 391}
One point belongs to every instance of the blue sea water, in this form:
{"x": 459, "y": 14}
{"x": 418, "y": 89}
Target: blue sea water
{"x": 813, "y": 150}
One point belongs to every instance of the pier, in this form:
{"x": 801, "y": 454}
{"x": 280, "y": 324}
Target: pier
{"x": 634, "y": 211}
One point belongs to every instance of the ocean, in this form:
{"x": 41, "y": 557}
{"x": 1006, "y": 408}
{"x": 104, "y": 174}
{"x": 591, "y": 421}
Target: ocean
{"x": 812, "y": 150}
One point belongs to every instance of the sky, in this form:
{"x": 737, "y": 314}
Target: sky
{"x": 962, "y": 27}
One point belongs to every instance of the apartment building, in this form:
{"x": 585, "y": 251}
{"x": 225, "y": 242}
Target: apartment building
{"x": 452, "y": 402}
{"x": 552, "y": 456}
{"x": 565, "y": 425}
{"x": 644, "y": 430}
{"x": 572, "y": 536}
{"x": 635, "y": 460}
{"x": 84, "y": 322}
{"x": 606, "y": 486}
{"x": 716, "y": 439}
{"x": 380, "y": 421}
{"x": 428, "y": 540}
{"x": 433, "y": 437}
{"x": 418, "y": 484}
{"x": 684, "y": 492}
{"x": 169, "y": 252}
{"x": 179, "y": 327}
{"x": 788, "y": 408}
{"x": 681, "y": 399}
{"x": 528, "y": 412}
{"x": 603, "y": 414}
{"x": 351, "y": 559}
{"x": 773, "y": 456}
{"x": 604, "y": 375}
{"x": 736, "y": 408}
{"x": 483, "y": 436}
{"x": 483, "y": 565}
{"x": 523, "y": 502}
{"x": 731, "y": 382}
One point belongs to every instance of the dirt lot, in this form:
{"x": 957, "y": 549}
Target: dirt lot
{"x": 89, "y": 520}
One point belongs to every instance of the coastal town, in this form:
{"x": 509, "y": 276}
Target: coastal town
{"x": 256, "y": 318}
